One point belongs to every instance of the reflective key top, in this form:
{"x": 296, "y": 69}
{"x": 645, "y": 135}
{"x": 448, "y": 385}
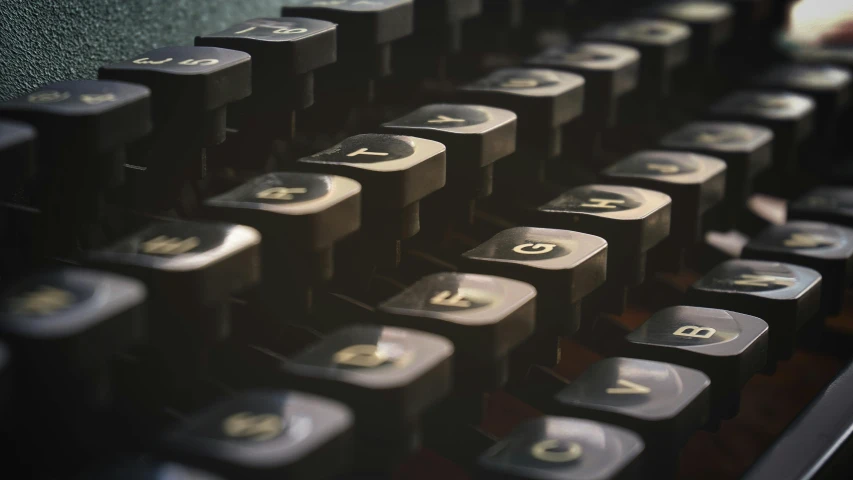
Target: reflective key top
{"x": 727, "y": 346}
{"x": 663, "y": 45}
{"x": 694, "y": 182}
{"x": 388, "y": 376}
{"x": 786, "y": 296}
{"x": 299, "y": 215}
{"x": 821, "y": 246}
{"x": 285, "y": 51}
{"x": 485, "y": 317}
{"x": 788, "y": 115}
{"x": 609, "y": 70}
{"x": 475, "y": 136}
{"x": 824, "y": 204}
{"x": 266, "y": 434}
{"x": 17, "y": 149}
{"x": 664, "y": 403}
{"x": 395, "y": 171}
{"x": 191, "y": 270}
{"x": 746, "y": 149}
{"x": 548, "y": 448}
{"x": 544, "y": 101}
{"x": 564, "y": 267}
{"x": 192, "y": 83}
{"x": 711, "y": 23}
{"x": 81, "y": 120}
{"x": 632, "y": 220}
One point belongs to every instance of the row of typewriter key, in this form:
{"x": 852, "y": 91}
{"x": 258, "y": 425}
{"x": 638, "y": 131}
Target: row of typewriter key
{"x": 370, "y": 391}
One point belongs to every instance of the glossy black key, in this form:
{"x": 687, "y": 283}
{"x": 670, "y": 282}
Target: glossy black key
{"x": 361, "y": 23}
{"x": 484, "y": 316}
{"x": 711, "y": 23}
{"x": 727, "y": 346}
{"x": 388, "y": 376}
{"x": 193, "y": 83}
{"x": 694, "y": 182}
{"x": 285, "y": 52}
{"x": 17, "y": 151}
{"x": 664, "y": 403}
{"x": 191, "y": 270}
{"x": 824, "y": 204}
{"x": 395, "y": 171}
{"x": 823, "y": 247}
{"x": 788, "y": 115}
{"x": 632, "y": 220}
{"x": 564, "y": 267}
{"x": 299, "y": 215}
{"x": 609, "y": 70}
{"x": 548, "y": 448}
{"x": 544, "y": 101}
{"x": 266, "y": 434}
{"x": 475, "y": 136}
{"x": 746, "y": 149}
{"x": 785, "y": 296}
{"x": 663, "y": 45}
{"x": 87, "y": 120}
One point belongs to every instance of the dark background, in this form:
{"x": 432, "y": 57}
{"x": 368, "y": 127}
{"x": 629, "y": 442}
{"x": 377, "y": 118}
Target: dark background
{"x": 43, "y": 41}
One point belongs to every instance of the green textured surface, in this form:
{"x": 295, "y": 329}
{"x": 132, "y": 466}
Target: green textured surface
{"x": 43, "y": 41}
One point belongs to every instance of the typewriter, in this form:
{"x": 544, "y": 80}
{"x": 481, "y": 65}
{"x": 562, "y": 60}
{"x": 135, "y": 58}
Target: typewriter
{"x": 426, "y": 239}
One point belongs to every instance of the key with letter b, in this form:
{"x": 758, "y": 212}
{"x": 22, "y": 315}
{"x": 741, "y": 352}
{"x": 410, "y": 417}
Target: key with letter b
{"x": 266, "y": 434}
{"x": 566, "y": 448}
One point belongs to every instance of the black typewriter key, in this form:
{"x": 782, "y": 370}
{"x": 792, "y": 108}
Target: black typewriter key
{"x": 785, "y": 296}
{"x": 301, "y": 216}
{"x": 565, "y": 267}
{"x": 544, "y": 100}
{"x": 191, "y": 270}
{"x": 662, "y": 402}
{"x": 395, "y": 171}
{"x": 823, "y": 247}
{"x": 663, "y": 45}
{"x": 746, "y": 149}
{"x": 788, "y": 115}
{"x": 727, "y": 346}
{"x": 83, "y": 128}
{"x": 475, "y": 136}
{"x": 694, "y": 182}
{"x": 266, "y": 434}
{"x": 830, "y": 87}
{"x": 711, "y": 23}
{"x": 609, "y": 70}
{"x": 632, "y": 220}
{"x": 17, "y": 151}
{"x": 548, "y": 448}
{"x": 485, "y": 317}
{"x": 63, "y": 327}
{"x": 824, "y": 204}
{"x": 388, "y": 376}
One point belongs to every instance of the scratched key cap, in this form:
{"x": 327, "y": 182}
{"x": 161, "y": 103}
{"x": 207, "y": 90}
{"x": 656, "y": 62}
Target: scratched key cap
{"x": 632, "y": 220}
{"x": 790, "y": 116}
{"x": 609, "y": 70}
{"x": 824, "y": 204}
{"x": 786, "y": 296}
{"x": 727, "y": 346}
{"x": 475, "y": 136}
{"x": 662, "y": 402}
{"x": 823, "y": 247}
{"x": 663, "y": 45}
{"x": 266, "y": 434}
{"x": 388, "y": 376}
{"x": 746, "y": 149}
{"x": 485, "y": 317}
{"x": 694, "y": 182}
{"x": 549, "y": 448}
